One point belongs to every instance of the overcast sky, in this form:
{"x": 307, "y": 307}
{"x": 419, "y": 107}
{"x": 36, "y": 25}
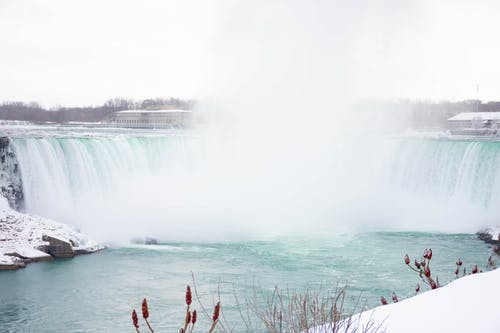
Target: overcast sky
{"x": 84, "y": 52}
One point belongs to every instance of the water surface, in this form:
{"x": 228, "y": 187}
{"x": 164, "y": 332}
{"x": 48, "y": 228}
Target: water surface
{"x": 96, "y": 293}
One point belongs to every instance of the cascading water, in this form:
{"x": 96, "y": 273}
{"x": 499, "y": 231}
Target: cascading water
{"x": 453, "y": 170}
{"x": 62, "y": 173}
{"x": 65, "y": 178}
{"x": 163, "y": 185}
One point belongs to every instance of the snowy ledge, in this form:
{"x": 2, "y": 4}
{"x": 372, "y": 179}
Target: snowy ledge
{"x": 464, "y": 305}
{"x": 490, "y": 235}
{"x": 25, "y": 238}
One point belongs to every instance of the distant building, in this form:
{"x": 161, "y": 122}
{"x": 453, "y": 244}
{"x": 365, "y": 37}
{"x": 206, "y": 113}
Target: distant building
{"x": 476, "y": 123}
{"x": 150, "y": 118}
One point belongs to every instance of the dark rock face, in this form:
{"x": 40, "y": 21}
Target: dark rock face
{"x": 10, "y": 175}
{"x": 150, "y": 241}
{"x": 144, "y": 241}
{"x": 4, "y": 142}
{"x": 58, "y": 248}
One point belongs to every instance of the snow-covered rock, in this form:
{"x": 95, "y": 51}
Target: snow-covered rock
{"x": 464, "y": 305}
{"x": 10, "y": 176}
{"x": 25, "y": 238}
{"x": 490, "y": 235}
{"x": 4, "y": 204}
{"x": 59, "y": 248}
{"x": 27, "y": 253}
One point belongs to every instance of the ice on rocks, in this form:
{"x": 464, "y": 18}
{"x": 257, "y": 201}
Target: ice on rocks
{"x": 21, "y": 237}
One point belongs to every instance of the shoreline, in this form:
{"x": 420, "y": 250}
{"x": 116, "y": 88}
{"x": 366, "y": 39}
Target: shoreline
{"x": 490, "y": 235}
{"x": 459, "y": 306}
{"x": 28, "y": 238}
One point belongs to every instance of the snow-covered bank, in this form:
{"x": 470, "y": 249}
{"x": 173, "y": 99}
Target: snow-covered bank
{"x": 490, "y": 235}
{"x": 21, "y": 238}
{"x": 465, "y": 305}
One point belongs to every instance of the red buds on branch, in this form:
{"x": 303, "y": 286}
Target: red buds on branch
{"x": 189, "y": 298}
{"x": 433, "y": 284}
{"x": 427, "y": 271}
{"x": 190, "y": 319}
{"x": 135, "y": 320}
{"x": 215, "y": 317}
{"x": 145, "y": 311}
{"x": 216, "y": 312}
{"x": 423, "y": 269}
{"x": 193, "y": 318}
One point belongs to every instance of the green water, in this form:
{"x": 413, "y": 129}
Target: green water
{"x": 96, "y": 293}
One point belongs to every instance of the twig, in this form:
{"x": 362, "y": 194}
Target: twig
{"x": 149, "y": 326}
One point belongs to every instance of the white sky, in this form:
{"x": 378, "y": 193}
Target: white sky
{"x": 84, "y": 52}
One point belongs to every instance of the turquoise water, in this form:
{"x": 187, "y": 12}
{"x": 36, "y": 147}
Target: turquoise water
{"x": 96, "y": 293}
{"x": 450, "y": 169}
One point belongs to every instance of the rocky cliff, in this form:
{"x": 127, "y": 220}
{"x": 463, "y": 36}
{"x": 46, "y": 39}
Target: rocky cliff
{"x": 10, "y": 175}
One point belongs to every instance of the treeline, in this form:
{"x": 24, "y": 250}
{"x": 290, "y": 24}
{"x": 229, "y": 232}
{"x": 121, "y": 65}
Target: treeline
{"x": 33, "y": 112}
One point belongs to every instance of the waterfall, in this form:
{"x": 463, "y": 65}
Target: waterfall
{"x": 452, "y": 170}
{"x": 62, "y": 174}
{"x": 173, "y": 186}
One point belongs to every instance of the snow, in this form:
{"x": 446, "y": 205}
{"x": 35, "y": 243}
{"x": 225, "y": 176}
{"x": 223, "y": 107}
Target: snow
{"x": 493, "y": 231}
{"x": 155, "y": 111}
{"x": 3, "y": 203}
{"x": 465, "y": 305}
{"x": 22, "y": 233}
